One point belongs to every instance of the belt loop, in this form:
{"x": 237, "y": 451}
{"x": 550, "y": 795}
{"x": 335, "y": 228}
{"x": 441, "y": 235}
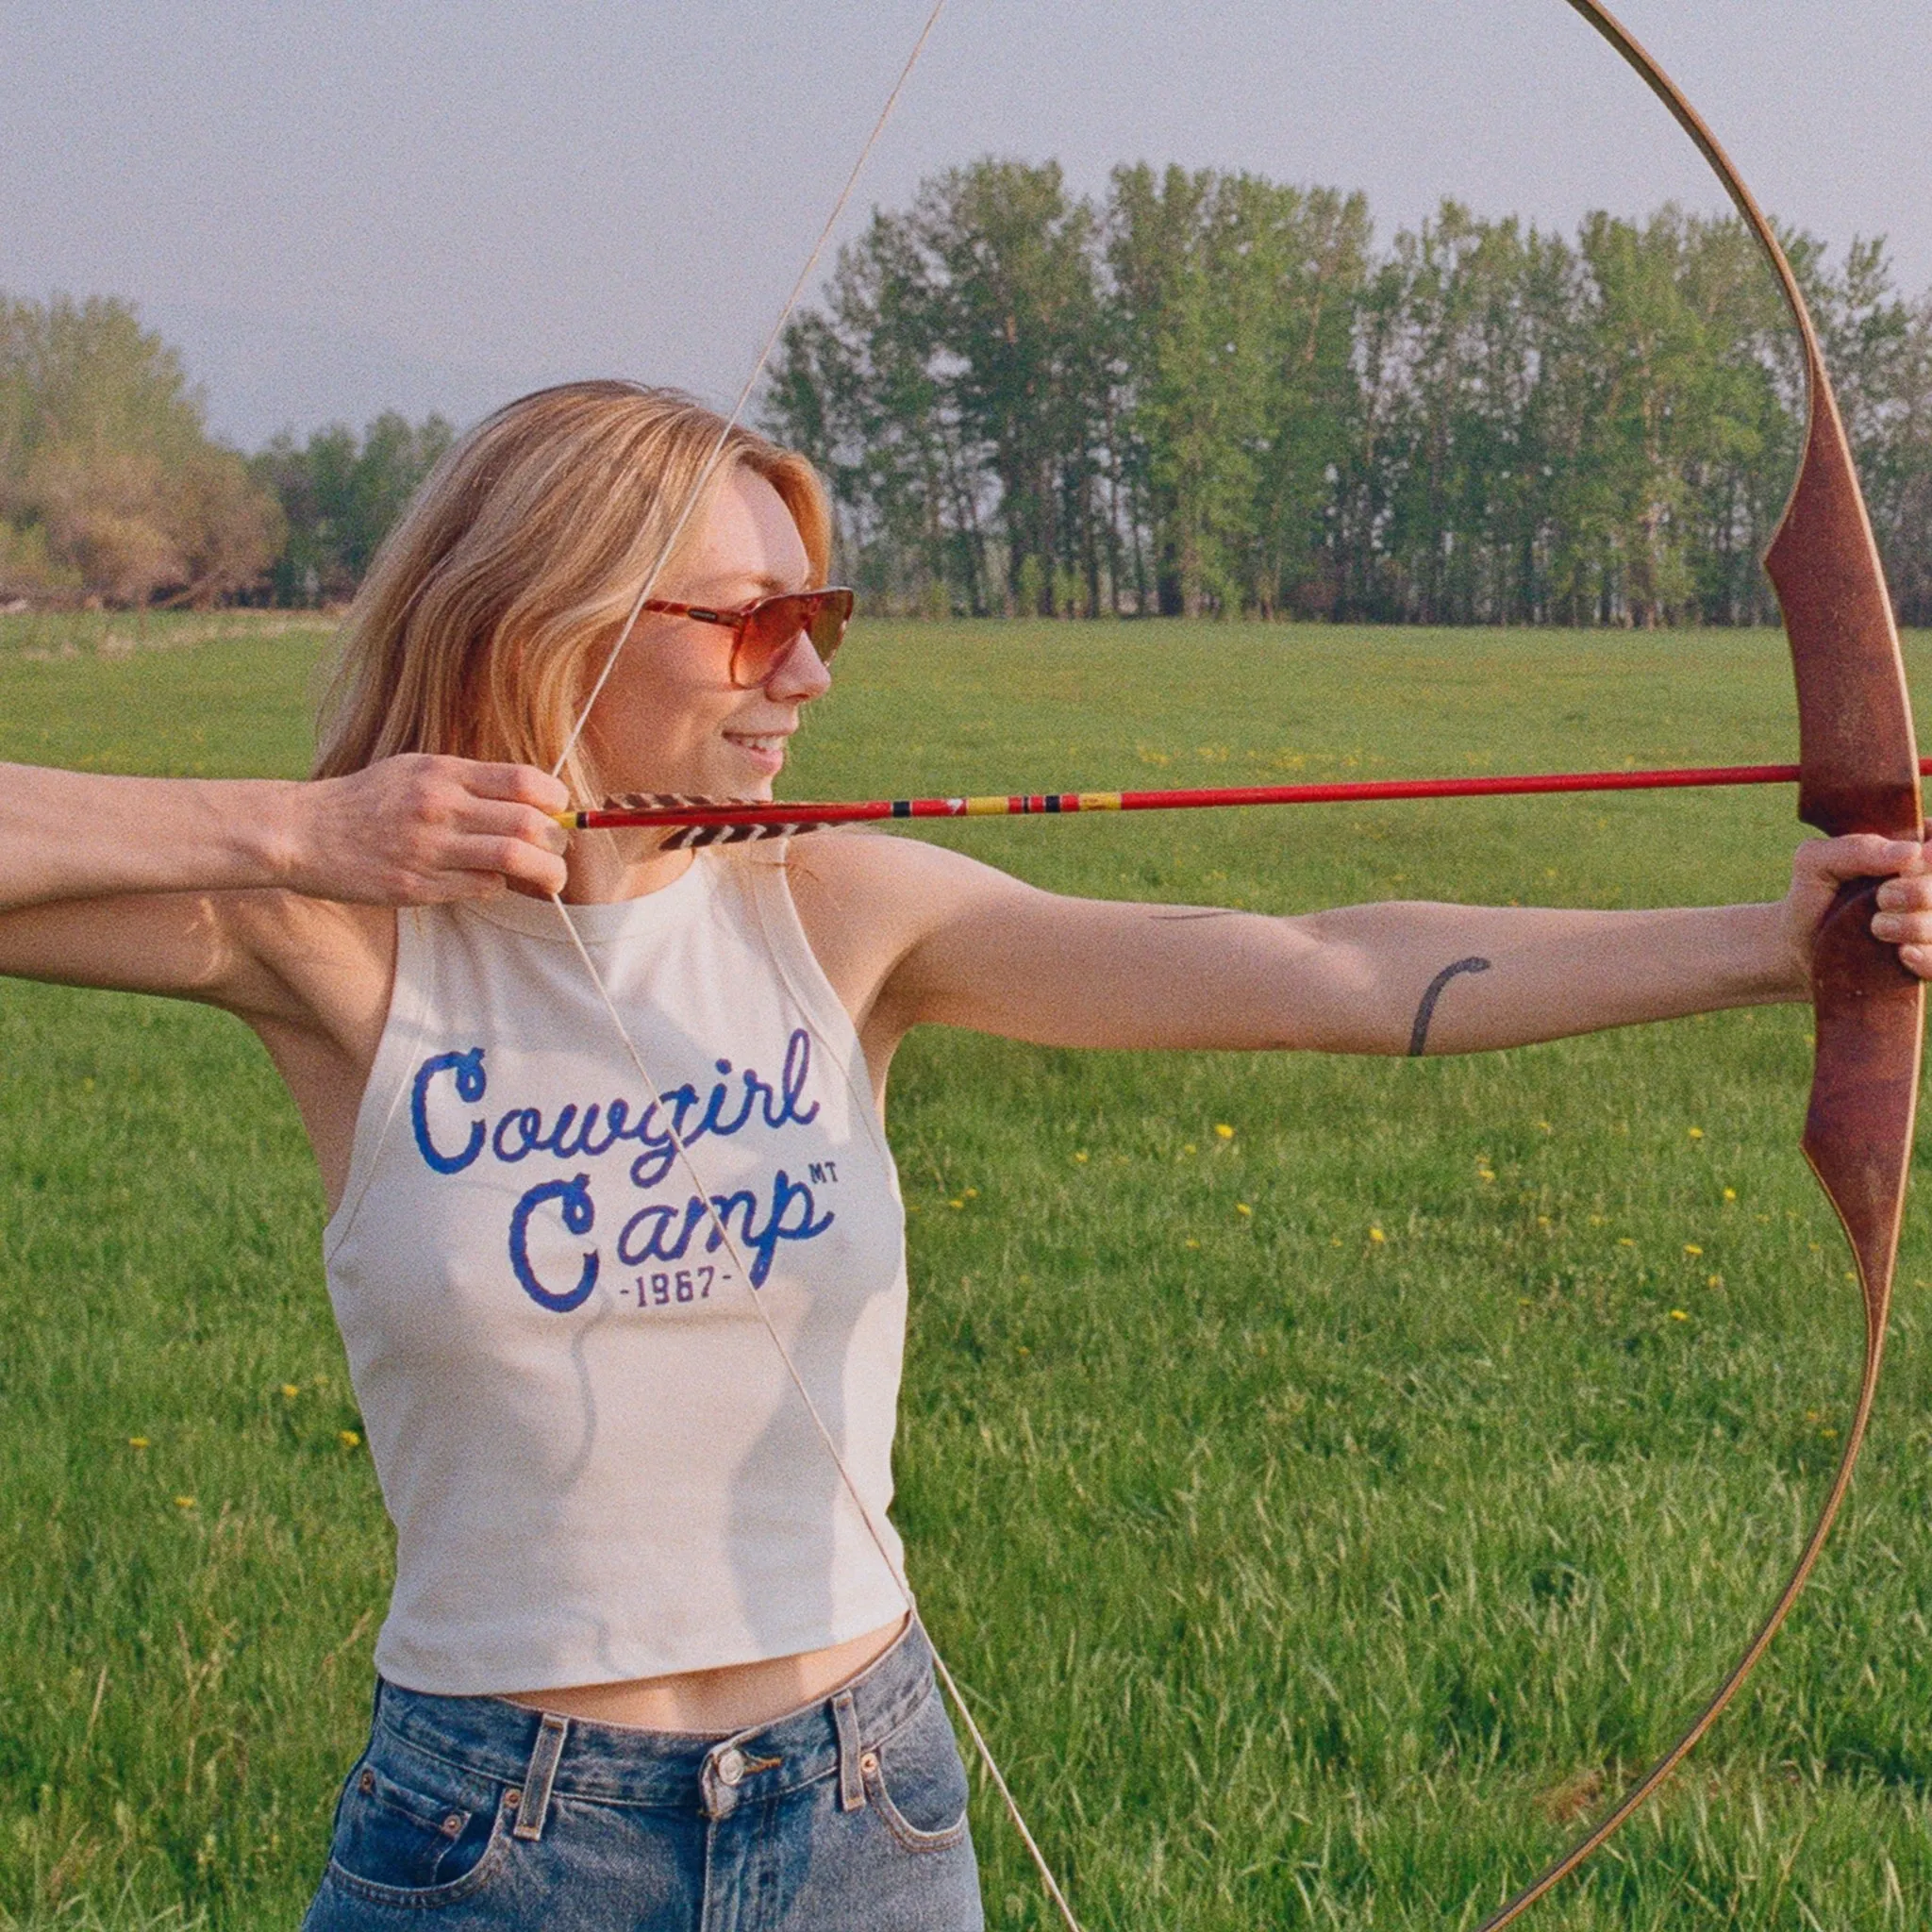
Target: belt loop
{"x": 533, "y": 1807}
{"x": 851, "y": 1777}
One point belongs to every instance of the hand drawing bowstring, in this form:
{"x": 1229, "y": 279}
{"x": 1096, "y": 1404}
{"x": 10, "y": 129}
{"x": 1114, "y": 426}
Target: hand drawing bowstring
{"x": 1872, "y": 1264}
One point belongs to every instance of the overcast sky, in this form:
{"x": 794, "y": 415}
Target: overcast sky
{"x": 345, "y": 205}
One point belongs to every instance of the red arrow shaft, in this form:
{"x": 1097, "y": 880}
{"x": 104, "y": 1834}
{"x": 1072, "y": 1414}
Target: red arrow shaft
{"x": 1019, "y": 805}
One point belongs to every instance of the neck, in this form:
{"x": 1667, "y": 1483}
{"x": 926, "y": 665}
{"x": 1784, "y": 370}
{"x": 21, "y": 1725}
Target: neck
{"x": 607, "y": 866}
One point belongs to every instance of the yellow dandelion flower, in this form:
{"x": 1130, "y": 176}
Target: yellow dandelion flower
{"x": 1222, "y": 1131}
{"x": 1543, "y": 1221}
{"x": 1242, "y": 1208}
{"x": 956, "y": 1204}
{"x": 1678, "y": 1315}
{"x": 1189, "y": 1147}
{"x": 349, "y": 1438}
{"x": 184, "y": 1502}
{"x": 1486, "y": 1174}
{"x": 1543, "y": 1126}
{"x": 139, "y": 1442}
{"x": 1691, "y": 1249}
{"x": 1081, "y": 1159}
{"x": 1191, "y": 1242}
{"x": 1624, "y": 1241}
{"x": 1713, "y": 1281}
{"x": 1375, "y": 1234}
{"x": 1697, "y": 1133}
{"x": 1730, "y": 1193}
{"x": 1596, "y": 1221}
{"x": 970, "y": 1194}
{"x": 289, "y": 1391}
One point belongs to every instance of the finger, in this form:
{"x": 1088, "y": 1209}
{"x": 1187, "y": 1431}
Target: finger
{"x": 492, "y": 816}
{"x": 464, "y": 860}
{"x": 1917, "y": 959}
{"x": 1913, "y": 928}
{"x": 1909, "y": 892}
{"x": 1863, "y": 856}
{"x": 519, "y": 785}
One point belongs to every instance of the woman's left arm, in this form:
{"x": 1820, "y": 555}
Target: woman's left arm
{"x": 979, "y": 949}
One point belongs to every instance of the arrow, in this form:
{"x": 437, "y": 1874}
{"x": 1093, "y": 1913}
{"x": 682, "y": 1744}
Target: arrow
{"x": 757, "y": 818}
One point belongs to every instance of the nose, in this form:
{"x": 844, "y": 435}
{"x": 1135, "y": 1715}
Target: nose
{"x": 799, "y": 675}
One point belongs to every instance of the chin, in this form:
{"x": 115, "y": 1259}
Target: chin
{"x": 755, "y": 786}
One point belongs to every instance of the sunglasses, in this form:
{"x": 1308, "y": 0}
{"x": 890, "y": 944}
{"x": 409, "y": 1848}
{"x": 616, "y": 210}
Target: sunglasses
{"x": 763, "y": 632}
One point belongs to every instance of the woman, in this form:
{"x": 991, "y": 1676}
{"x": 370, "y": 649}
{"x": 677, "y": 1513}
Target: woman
{"x": 623, "y": 1284}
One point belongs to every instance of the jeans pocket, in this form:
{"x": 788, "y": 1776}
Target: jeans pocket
{"x": 918, "y": 1782}
{"x": 413, "y": 1830}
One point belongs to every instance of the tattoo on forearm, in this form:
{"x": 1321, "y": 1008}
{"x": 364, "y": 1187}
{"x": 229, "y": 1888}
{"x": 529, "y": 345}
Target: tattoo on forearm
{"x": 1425, "y": 1013}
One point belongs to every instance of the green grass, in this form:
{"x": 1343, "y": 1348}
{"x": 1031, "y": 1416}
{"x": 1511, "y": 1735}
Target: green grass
{"x": 1301, "y": 1576}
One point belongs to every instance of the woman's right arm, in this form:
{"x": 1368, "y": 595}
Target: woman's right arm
{"x": 183, "y": 886}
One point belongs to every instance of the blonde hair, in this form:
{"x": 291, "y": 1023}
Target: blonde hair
{"x": 479, "y": 627}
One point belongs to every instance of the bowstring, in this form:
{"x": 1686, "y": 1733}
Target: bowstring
{"x": 720, "y": 1231}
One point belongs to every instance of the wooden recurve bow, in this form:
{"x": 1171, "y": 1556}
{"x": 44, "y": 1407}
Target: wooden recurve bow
{"x": 1860, "y": 769}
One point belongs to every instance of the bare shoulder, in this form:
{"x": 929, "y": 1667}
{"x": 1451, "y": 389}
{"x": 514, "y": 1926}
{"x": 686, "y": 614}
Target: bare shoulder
{"x": 868, "y": 899}
{"x": 892, "y": 890}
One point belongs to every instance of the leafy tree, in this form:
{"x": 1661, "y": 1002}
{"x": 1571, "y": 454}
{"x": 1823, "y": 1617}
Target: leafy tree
{"x": 110, "y": 488}
{"x": 339, "y": 495}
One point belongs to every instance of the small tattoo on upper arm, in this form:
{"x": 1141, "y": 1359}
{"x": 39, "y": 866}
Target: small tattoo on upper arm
{"x": 1425, "y": 1013}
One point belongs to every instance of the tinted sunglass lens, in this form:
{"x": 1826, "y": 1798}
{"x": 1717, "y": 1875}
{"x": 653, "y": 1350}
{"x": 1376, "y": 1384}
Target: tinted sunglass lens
{"x": 771, "y": 627}
{"x": 766, "y": 637}
{"x": 828, "y": 623}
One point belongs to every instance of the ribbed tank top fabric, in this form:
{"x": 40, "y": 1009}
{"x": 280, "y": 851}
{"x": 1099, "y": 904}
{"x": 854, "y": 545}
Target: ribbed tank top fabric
{"x": 596, "y": 1464}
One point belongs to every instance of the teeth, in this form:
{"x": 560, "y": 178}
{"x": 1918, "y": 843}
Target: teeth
{"x": 773, "y": 743}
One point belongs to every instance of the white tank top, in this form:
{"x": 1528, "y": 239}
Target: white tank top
{"x": 597, "y": 1466}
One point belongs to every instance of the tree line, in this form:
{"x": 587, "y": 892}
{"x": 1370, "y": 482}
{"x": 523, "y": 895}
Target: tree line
{"x": 1201, "y": 394}
{"x": 1210, "y": 393}
{"x": 113, "y": 493}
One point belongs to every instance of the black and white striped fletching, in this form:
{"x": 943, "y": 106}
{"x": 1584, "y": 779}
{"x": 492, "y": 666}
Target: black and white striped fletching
{"x": 689, "y": 838}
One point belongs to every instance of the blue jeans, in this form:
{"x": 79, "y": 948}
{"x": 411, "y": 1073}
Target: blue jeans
{"x": 483, "y": 1816}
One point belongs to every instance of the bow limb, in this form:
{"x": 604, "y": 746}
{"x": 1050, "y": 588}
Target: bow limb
{"x": 1858, "y": 772}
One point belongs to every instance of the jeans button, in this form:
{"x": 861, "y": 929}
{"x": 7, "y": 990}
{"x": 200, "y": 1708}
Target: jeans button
{"x": 732, "y": 1765}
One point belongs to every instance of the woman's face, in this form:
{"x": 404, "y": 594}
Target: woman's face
{"x": 671, "y": 720}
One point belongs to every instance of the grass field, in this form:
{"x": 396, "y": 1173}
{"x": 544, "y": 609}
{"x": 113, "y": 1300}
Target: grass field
{"x": 1323, "y": 1514}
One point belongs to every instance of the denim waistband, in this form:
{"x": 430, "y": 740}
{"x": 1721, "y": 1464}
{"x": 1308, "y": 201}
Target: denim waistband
{"x": 550, "y": 1756}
